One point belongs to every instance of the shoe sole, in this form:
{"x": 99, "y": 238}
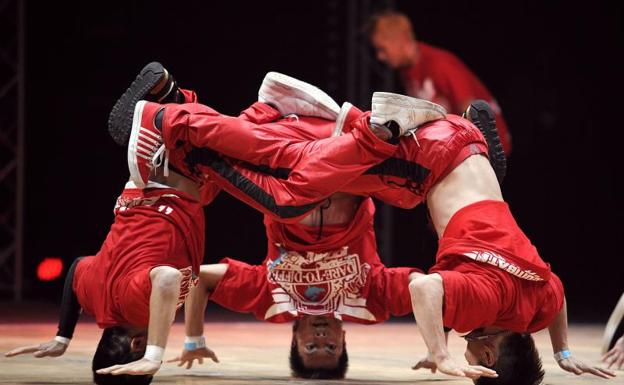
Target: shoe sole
{"x": 481, "y": 115}
{"x": 277, "y": 81}
{"x": 120, "y": 119}
{"x": 615, "y": 326}
{"x": 135, "y": 174}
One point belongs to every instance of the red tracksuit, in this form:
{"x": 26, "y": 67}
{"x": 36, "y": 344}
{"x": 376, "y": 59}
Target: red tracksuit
{"x": 301, "y": 166}
{"x": 283, "y": 169}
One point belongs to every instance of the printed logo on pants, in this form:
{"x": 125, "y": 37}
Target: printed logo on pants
{"x": 318, "y": 283}
{"x": 499, "y": 261}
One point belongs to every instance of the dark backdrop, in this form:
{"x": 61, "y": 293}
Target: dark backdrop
{"x": 555, "y": 69}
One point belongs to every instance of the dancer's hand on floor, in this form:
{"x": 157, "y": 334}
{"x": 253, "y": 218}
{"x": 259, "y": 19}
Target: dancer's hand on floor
{"x": 426, "y": 363}
{"x": 188, "y": 356}
{"x": 578, "y": 367}
{"x": 136, "y": 368}
{"x": 615, "y": 356}
{"x": 47, "y": 349}
{"x": 448, "y": 365}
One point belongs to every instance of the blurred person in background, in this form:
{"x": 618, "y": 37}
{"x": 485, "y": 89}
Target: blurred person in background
{"x": 429, "y": 72}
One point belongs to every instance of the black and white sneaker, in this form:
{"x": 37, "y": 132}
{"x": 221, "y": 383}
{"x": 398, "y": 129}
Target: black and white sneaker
{"x": 481, "y": 115}
{"x": 155, "y": 84}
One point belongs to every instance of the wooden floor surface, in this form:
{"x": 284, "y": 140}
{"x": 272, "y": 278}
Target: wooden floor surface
{"x": 257, "y": 353}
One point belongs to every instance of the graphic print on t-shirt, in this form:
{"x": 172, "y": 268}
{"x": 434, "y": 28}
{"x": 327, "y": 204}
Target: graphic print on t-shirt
{"x": 318, "y": 283}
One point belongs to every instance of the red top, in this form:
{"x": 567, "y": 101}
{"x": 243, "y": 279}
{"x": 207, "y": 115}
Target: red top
{"x": 340, "y": 274}
{"x": 440, "y": 76}
{"x": 493, "y": 275}
{"x": 153, "y": 227}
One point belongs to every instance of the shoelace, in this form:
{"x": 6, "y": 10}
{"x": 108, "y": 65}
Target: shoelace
{"x": 157, "y": 159}
{"x": 413, "y": 133}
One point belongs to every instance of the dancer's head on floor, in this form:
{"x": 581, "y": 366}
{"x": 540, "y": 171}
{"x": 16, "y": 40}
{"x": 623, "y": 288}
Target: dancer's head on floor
{"x": 513, "y": 355}
{"x": 318, "y": 348}
{"x": 118, "y": 346}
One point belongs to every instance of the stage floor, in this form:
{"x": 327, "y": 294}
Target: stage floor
{"x": 257, "y": 353}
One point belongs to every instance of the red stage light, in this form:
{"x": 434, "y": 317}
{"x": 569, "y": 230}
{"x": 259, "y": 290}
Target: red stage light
{"x": 50, "y": 269}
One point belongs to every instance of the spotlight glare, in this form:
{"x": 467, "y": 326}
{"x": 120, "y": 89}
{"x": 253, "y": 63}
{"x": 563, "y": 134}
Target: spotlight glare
{"x": 49, "y": 269}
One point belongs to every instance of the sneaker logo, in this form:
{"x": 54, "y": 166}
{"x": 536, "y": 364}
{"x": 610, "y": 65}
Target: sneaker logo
{"x": 148, "y": 143}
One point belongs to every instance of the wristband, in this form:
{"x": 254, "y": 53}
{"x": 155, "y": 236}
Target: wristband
{"x": 194, "y": 343}
{"x": 63, "y": 340}
{"x": 154, "y": 353}
{"x": 562, "y": 355}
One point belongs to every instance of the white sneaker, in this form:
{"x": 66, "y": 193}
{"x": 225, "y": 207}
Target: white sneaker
{"x": 292, "y": 96}
{"x": 407, "y": 112}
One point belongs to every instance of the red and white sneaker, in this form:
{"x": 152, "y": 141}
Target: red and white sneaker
{"x": 145, "y": 146}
